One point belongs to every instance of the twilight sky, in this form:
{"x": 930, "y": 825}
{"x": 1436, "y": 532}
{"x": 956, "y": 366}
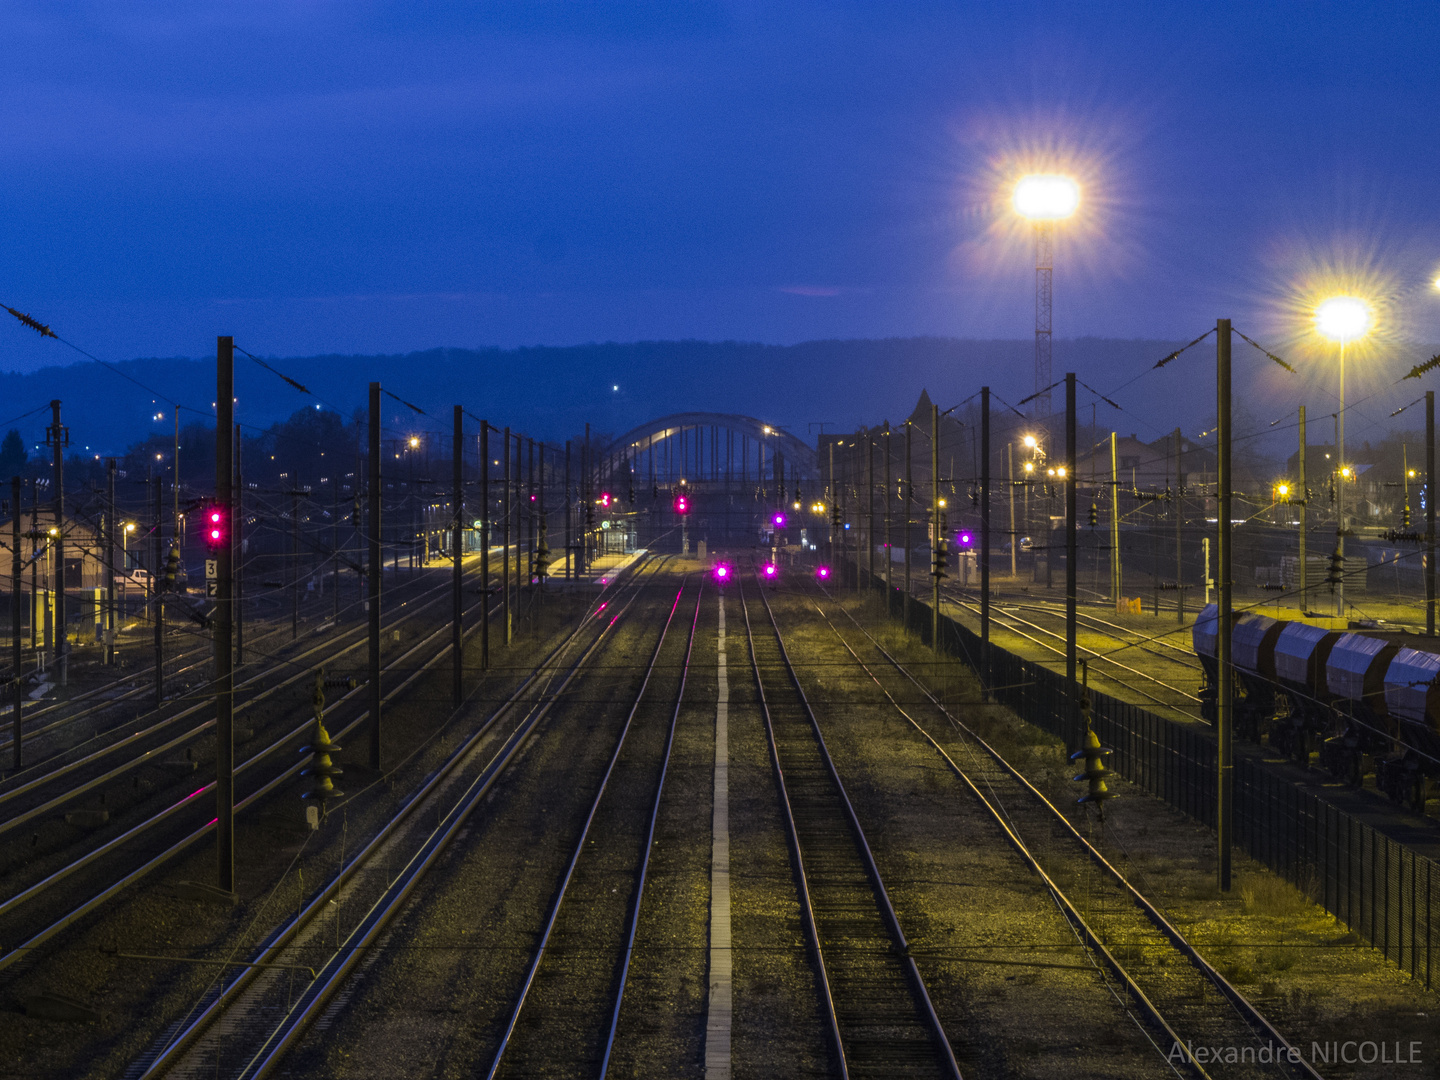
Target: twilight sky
{"x": 367, "y": 177}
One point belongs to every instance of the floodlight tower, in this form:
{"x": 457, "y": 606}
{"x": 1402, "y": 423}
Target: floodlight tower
{"x": 1342, "y": 319}
{"x": 1043, "y": 199}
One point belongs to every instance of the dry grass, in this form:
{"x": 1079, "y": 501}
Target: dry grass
{"x": 1269, "y": 895}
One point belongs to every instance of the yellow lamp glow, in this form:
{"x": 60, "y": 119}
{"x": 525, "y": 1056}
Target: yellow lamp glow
{"x": 1029, "y": 466}
{"x": 1046, "y": 197}
{"x": 1030, "y": 442}
{"x": 1282, "y": 491}
{"x": 1345, "y": 472}
{"x": 1343, "y": 318}
{"x": 414, "y": 441}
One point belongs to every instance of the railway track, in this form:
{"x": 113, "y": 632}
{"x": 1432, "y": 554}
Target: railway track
{"x": 1185, "y": 1001}
{"x": 877, "y": 1007}
{"x": 180, "y": 823}
{"x": 568, "y": 1010}
{"x": 246, "y": 1028}
{"x": 1013, "y": 623}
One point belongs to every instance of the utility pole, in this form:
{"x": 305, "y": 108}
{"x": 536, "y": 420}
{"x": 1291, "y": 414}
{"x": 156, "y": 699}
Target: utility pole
{"x": 935, "y": 528}
{"x": 984, "y": 539}
{"x": 1430, "y": 512}
{"x": 376, "y": 568}
{"x": 1117, "y": 580}
{"x": 109, "y": 562}
{"x": 1179, "y": 508}
{"x": 1014, "y": 537}
{"x": 456, "y": 613}
{"x": 158, "y": 555}
{"x": 224, "y": 671}
{"x": 909, "y": 516}
{"x": 58, "y": 436}
{"x": 505, "y": 550}
{"x": 1070, "y": 559}
{"x": 17, "y": 758}
{"x": 1225, "y": 706}
{"x": 237, "y": 540}
{"x": 869, "y": 513}
{"x": 1304, "y": 514}
{"x": 569, "y": 523}
{"x": 295, "y": 562}
{"x": 834, "y": 497}
{"x": 485, "y": 518}
{"x": 889, "y": 558}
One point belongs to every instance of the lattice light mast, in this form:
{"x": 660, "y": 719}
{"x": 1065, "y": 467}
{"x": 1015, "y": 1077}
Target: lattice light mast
{"x": 1043, "y": 199}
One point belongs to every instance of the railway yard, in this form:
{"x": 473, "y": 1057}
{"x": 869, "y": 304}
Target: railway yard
{"x": 687, "y": 824}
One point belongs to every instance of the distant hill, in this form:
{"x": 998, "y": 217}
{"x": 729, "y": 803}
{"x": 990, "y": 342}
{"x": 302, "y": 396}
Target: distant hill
{"x": 553, "y": 391}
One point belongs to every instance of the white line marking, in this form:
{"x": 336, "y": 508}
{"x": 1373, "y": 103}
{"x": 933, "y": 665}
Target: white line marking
{"x": 717, "y": 1027}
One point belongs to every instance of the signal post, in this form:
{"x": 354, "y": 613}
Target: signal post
{"x": 218, "y": 536}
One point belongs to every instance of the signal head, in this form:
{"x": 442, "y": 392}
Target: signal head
{"x": 965, "y": 538}
{"x": 823, "y": 573}
{"x": 723, "y": 572}
{"x": 217, "y": 526}
{"x": 682, "y": 504}
{"x": 778, "y": 520}
{"x": 770, "y": 571}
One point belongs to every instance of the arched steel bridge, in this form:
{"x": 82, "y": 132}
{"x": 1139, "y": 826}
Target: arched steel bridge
{"x": 710, "y": 446}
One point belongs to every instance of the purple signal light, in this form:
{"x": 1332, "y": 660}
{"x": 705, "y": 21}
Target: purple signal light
{"x": 770, "y": 570}
{"x": 722, "y": 572}
{"x": 965, "y": 538}
{"x": 779, "y": 520}
{"x": 823, "y": 573}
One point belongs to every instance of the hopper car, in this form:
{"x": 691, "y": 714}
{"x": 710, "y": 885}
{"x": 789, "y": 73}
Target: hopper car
{"x": 1361, "y": 699}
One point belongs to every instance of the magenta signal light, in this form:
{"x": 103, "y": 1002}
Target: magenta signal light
{"x": 965, "y": 538}
{"x": 769, "y": 569}
{"x": 823, "y": 573}
{"x": 722, "y": 572}
{"x": 779, "y": 520}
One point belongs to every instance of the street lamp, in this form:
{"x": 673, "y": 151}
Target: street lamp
{"x": 1342, "y": 319}
{"x": 1043, "y": 199}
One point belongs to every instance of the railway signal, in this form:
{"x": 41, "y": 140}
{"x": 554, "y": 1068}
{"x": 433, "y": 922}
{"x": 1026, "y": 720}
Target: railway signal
{"x": 172, "y": 567}
{"x": 217, "y": 526}
{"x": 1094, "y": 515}
{"x": 723, "y": 572}
{"x": 682, "y": 503}
{"x": 321, "y": 767}
{"x": 1093, "y": 755}
{"x": 941, "y": 560}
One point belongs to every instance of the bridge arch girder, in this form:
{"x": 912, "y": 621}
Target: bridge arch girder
{"x": 798, "y": 455}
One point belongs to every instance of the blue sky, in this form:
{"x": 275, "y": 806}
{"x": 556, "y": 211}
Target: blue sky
{"x": 370, "y": 177}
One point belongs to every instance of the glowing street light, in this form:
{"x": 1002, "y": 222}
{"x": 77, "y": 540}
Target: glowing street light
{"x": 1043, "y": 199}
{"x": 414, "y": 442}
{"x": 1029, "y": 442}
{"x": 1342, "y": 319}
{"x": 1046, "y": 197}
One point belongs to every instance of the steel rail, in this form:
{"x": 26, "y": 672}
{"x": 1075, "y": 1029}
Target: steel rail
{"x": 1259, "y": 1024}
{"x": 1002, "y": 618}
{"x": 901, "y": 942}
{"x": 1115, "y": 631}
{"x": 341, "y": 963}
{"x": 149, "y": 756}
{"x": 19, "y": 951}
{"x": 202, "y": 650}
{"x": 560, "y": 893}
{"x": 642, "y": 876}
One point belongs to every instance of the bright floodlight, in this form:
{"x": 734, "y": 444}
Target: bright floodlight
{"x": 1046, "y": 197}
{"x": 1343, "y": 318}
{"x": 1030, "y": 441}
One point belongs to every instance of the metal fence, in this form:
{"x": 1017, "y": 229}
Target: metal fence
{"x": 1380, "y": 889}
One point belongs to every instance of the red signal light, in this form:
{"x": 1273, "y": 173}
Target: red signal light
{"x": 682, "y": 504}
{"x": 216, "y": 526}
